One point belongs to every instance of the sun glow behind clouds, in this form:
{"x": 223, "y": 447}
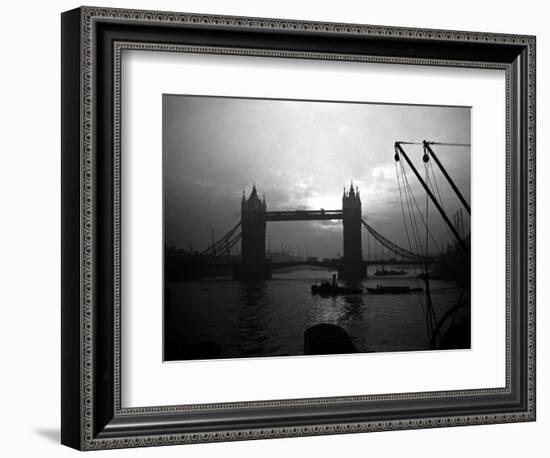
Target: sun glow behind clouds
{"x": 300, "y": 154}
{"x": 328, "y": 201}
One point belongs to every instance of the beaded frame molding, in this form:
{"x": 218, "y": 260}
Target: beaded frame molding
{"x": 92, "y": 42}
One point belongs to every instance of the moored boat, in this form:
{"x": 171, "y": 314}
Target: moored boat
{"x": 393, "y": 290}
{"x": 389, "y": 272}
{"x": 327, "y": 288}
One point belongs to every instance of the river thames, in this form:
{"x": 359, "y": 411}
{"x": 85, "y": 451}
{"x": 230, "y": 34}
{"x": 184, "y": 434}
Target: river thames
{"x": 269, "y": 318}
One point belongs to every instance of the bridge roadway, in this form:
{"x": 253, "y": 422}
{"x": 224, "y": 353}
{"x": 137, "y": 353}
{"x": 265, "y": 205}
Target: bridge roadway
{"x": 335, "y": 264}
{"x": 303, "y": 215}
{"x": 221, "y": 268}
{"x": 332, "y": 264}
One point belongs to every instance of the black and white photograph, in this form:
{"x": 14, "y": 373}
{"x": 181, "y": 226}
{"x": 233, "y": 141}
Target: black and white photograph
{"x": 310, "y": 227}
{"x": 254, "y": 224}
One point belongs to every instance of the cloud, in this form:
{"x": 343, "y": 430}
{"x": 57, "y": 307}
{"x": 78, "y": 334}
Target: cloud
{"x": 300, "y": 154}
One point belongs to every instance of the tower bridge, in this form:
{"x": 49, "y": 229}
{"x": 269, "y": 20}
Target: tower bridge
{"x": 254, "y": 216}
{"x": 252, "y": 235}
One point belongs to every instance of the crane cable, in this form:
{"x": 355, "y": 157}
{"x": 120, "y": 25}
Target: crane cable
{"x": 426, "y": 307}
{"x": 419, "y": 212}
{"x": 415, "y": 234}
{"x": 403, "y": 207}
{"x": 431, "y": 318}
{"x": 412, "y": 218}
{"x": 449, "y": 144}
{"x": 435, "y": 190}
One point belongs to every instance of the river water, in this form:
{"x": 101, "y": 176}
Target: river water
{"x": 269, "y": 318}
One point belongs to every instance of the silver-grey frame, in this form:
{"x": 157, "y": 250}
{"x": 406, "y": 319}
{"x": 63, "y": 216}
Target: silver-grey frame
{"x": 93, "y": 417}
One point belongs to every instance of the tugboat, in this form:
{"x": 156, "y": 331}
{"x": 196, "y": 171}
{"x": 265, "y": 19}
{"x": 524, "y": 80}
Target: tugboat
{"x": 326, "y": 288}
{"x": 389, "y": 272}
{"x": 393, "y": 290}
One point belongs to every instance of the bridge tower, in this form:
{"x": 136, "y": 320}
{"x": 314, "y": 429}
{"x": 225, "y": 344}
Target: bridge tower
{"x": 353, "y": 267}
{"x": 253, "y": 223}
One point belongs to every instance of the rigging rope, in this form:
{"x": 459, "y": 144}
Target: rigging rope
{"x": 436, "y": 191}
{"x": 412, "y": 199}
{"x": 402, "y": 207}
{"x": 436, "y": 245}
{"x": 433, "y": 326}
{"x": 412, "y": 222}
{"x": 430, "y": 315}
{"x": 448, "y": 144}
{"x": 436, "y": 143}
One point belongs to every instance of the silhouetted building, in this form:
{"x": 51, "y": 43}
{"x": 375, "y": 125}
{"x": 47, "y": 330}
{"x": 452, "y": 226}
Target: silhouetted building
{"x": 352, "y": 267}
{"x": 253, "y": 220}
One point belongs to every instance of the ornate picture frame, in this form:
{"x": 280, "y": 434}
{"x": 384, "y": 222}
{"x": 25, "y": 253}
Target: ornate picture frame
{"x": 93, "y": 416}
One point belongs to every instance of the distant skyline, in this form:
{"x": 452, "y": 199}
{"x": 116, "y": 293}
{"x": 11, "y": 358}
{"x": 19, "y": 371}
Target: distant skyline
{"x": 301, "y": 154}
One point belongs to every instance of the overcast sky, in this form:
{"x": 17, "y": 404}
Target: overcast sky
{"x": 300, "y": 154}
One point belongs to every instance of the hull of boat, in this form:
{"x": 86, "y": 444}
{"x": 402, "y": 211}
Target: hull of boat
{"x": 393, "y": 290}
{"x": 332, "y": 291}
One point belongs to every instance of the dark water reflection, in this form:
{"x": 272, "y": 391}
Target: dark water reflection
{"x": 222, "y": 318}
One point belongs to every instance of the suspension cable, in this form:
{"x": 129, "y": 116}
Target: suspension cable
{"x": 221, "y": 243}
